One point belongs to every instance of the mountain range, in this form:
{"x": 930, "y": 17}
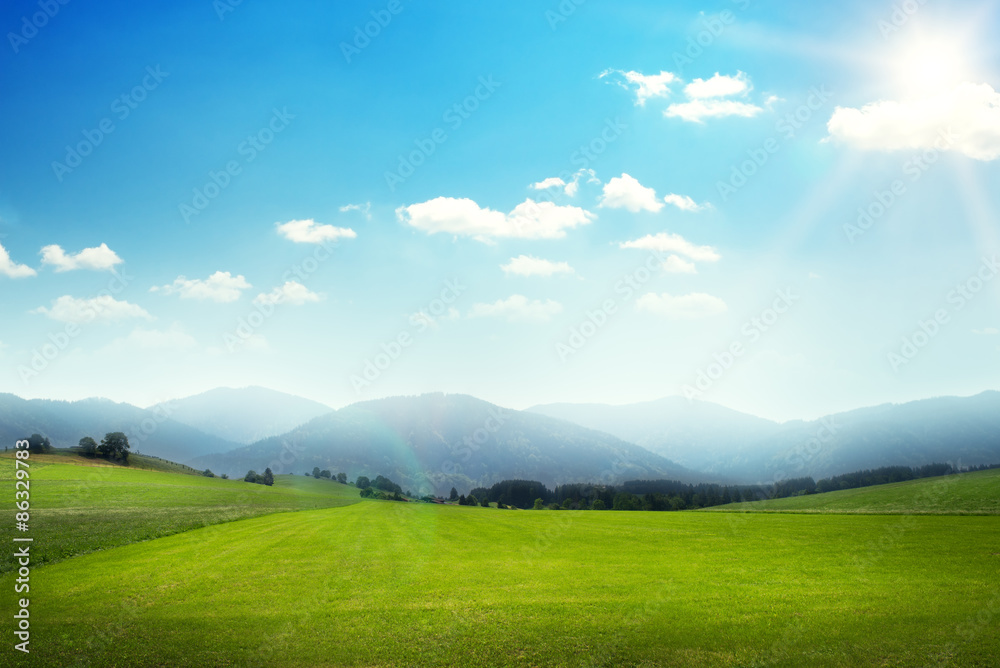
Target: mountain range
{"x": 435, "y": 441}
{"x": 432, "y": 442}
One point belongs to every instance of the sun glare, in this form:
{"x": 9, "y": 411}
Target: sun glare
{"x": 931, "y": 63}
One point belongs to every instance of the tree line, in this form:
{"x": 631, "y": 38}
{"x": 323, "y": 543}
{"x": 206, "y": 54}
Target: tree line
{"x": 666, "y": 495}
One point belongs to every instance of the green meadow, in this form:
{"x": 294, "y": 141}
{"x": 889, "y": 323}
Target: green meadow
{"x": 375, "y": 583}
{"x": 80, "y": 506}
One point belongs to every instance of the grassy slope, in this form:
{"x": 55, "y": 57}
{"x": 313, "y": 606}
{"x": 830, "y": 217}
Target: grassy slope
{"x": 78, "y": 508}
{"x": 964, "y": 494}
{"x": 381, "y": 583}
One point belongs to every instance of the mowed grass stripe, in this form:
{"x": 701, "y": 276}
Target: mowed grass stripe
{"x": 77, "y": 509}
{"x": 390, "y": 584}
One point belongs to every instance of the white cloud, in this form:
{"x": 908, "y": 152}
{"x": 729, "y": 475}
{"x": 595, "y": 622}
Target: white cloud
{"x": 673, "y": 243}
{"x": 463, "y": 217}
{"x": 310, "y": 232}
{"x": 625, "y": 192}
{"x": 98, "y": 258}
{"x": 551, "y": 182}
{"x": 814, "y": 275}
{"x": 365, "y": 209}
{"x": 517, "y": 307}
{"x": 220, "y": 287}
{"x": 526, "y": 265}
{"x": 686, "y": 307}
{"x": 292, "y": 292}
{"x": 570, "y": 187}
{"x": 719, "y": 85}
{"x": 696, "y": 111}
{"x": 705, "y": 99}
{"x": 987, "y": 331}
{"x": 965, "y": 119}
{"x": 678, "y": 265}
{"x": 685, "y": 203}
{"x": 12, "y": 269}
{"x": 80, "y": 311}
{"x": 646, "y": 86}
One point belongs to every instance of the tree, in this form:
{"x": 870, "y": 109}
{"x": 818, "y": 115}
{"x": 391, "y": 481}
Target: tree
{"x": 324, "y": 474}
{"x": 114, "y": 447}
{"x": 599, "y": 505}
{"x": 471, "y": 501}
{"x": 461, "y": 500}
{"x": 316, "y": 472}
{"x": 453, "y": 495}
{"x": 484, "y": 503}
{"x": 342, "y": 478}
{"x": 267, "y": 478}
{"x": 539, "y": 504}
{"x": 208, "y": 473}
{"x": 362, "y": 482}
{"x": 224, "y": 476}
{"x": 251, "y": 476}
{"x": 38, "y": 443}
{"x": 88, "y": 447}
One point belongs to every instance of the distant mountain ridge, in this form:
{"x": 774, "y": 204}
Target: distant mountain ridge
{"x": 435, "y": 441}
{"x": 243, "y": 415}
{"x": 65, "y": 423}
{"x": 709, "y": 438}
{"x": 696, "y": 434}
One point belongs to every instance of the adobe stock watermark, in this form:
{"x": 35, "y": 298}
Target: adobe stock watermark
{"x": 712, "y": 28}
{"x": 223, "y": 7}
{"x": 785, "y": 130}
{"x": 59, "y": 341}
{"x": 453, "y": 117}
{"x": 30, "y": 25}
{"x": 420, "y": 322}
{"x": 901, "y": 14}
{"x": 958, "y": 298}
{"x": 751, "y": 332}
{"x": 883, "y": 200}
{"x": 363, "y": 35}
{"x": 247, "y": 150}
{"x": 625, "y": 289}
{"x": 264, "y": 310}
{"x": 562, "y": 12}
{"x": 495, "y": 419}
{"x": 121, "y": 108}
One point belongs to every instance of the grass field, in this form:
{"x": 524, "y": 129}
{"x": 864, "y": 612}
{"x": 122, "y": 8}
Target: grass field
{"x": 963, "y": 494}
{"x": 79, "y": 506}
{"x": 387, "y": 584}
{"x": 369, "y": 583}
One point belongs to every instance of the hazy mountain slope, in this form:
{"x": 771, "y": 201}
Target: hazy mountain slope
{"x": 960, "y": 430}
{"x": 244, "y": 415}
{"x": 435, "y": 441}
{"x": 65, "y": 423}
{"x": 726, "y": 443}
{"x": 696, "y": 434}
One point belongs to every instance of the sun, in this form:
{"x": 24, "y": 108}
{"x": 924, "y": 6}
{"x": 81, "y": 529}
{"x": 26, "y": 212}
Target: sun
{"x": 928, "y": 62}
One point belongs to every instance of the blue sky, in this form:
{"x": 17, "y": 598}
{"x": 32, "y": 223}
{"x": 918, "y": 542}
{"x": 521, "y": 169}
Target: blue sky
{"x": 527, "y": 202}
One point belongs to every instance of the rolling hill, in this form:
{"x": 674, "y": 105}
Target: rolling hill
{"x": 435, "y": 441}
{"x": 975, "y": 493}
